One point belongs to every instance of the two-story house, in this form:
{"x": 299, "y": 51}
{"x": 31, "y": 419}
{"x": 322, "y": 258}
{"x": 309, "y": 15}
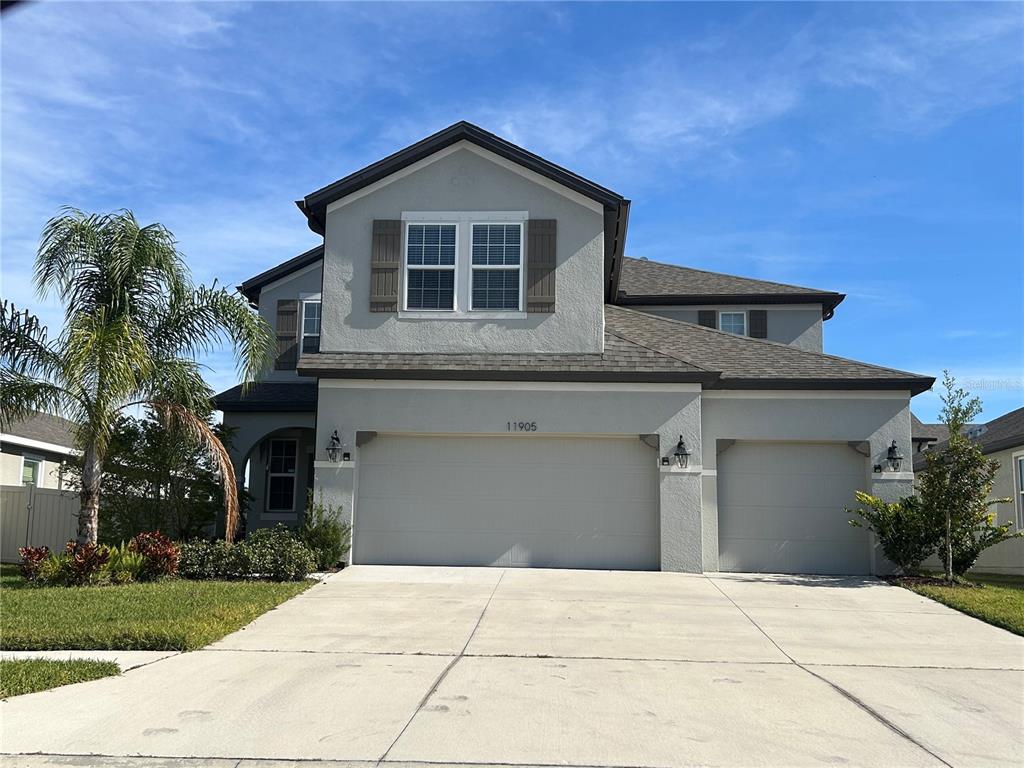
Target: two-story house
{"x": 508, "y": 388}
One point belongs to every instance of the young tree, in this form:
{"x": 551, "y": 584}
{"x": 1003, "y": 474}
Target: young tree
{"x": 955, "y": 486}
{"x": 134, "y": 324}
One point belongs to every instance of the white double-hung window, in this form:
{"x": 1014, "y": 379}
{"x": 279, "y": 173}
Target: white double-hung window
{"x": 733, "y": 322}
{"x": 311, "y": 323}
{"x": 497, "y": 259}
{"x": 430, "y": 254}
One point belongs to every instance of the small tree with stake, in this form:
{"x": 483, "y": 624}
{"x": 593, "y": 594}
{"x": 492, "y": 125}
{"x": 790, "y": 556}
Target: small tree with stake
{"x": 954, "y": 487}
{"x": 133, "y": 326}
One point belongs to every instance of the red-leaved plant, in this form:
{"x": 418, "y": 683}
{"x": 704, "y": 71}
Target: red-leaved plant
{"x": 160, "y": 552}
{"x": 31, "y": 559}
{"x": 85, "y": 561}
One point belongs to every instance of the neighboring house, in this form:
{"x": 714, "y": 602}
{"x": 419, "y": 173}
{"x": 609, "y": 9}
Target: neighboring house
{"x": 1001, "y": 439}
{"x": 507, "y": 388}
{"x": 35, "y": 452}
{"x": 924, "y": 436}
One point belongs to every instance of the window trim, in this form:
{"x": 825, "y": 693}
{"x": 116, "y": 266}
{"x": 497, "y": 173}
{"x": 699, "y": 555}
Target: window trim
{"x": 495, "y": 267}
{"x": 304, "y": 299}
{"x": 1017, "y": 460}
{"x": 406, "y": 267}
{"x": 746, "y": 321}
{"x": 39, "y": 461}
{"x": 294, "y": 475}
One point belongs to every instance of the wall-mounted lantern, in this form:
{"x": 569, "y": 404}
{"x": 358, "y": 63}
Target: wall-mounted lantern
{"x": 894, "y": 457}
{"x": 682, "y": 456}
{"x": 334, "y": 447}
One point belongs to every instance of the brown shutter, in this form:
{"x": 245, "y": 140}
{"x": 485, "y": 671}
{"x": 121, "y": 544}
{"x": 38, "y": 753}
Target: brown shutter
{"x": 541, "y": 261}
{"x": 385, "y": 265}
{"x": 707, "y": 317}
{"x": 287, "y": 334}
{"x": 758, "y": 323}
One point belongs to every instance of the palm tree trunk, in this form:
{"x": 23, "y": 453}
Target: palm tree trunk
{"x": 89, "y": 514}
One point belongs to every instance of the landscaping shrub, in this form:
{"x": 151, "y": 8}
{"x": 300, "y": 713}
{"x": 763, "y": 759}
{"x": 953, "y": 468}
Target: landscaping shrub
{"x": 276, "y": 554}
{"x": 31, "y": 559}
{"x": 54, "y": 571}
{"x": 323, "y": 532}
{"x": 85, "y": 561}
{"x": 124, "y": 566}
{"x": 268, "y": 553}
{"x": 160, "y": 553}
{"x": 907, "y": 532}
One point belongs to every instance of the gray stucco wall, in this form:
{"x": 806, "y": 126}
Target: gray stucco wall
{"x": 426, "y": 408}
{"x": 463, "y": 181}
{"x": 872, "y": 418}
{"x": 289, "y": 287}
{"x": 799, "y": 326}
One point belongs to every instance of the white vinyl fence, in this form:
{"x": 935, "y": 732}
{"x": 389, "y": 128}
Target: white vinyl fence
{"x": 35, "y": 517}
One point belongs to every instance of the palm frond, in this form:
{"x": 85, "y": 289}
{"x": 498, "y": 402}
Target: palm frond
{"x": 176, "y": 416}
{"x": 24, "y": 346}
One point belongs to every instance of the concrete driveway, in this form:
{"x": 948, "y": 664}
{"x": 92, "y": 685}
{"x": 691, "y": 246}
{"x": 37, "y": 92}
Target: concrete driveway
{"x": 540, "y": 667}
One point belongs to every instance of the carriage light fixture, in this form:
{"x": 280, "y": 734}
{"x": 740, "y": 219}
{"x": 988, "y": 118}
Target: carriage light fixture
{"x": 334, "y": 446}
{"x": 894, "y": 457}
{"x": 682, "y": 456}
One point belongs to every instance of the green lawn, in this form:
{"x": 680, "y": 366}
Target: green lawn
{"x": 174, "y": 614}
{"x": 31, "y": 675}
{"x": 998, "y": 599}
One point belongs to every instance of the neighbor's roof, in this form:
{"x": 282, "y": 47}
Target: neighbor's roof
{"x": 638, "y": 347}
{"x": 44, "y": 428}
{"x": 1007, "y": 431}
{"x": 616, "y": 207}
{"x": 269, "y": 396}
{"x": 650, "y": 282}
{"x": 251, "y": 288}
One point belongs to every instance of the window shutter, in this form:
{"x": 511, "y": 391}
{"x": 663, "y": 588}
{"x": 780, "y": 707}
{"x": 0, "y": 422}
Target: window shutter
{"x": 707, "y": 317}
{"x": 287, "y": 334}
{"x": 385, "y": 265}
{"x": 540, "y": 265}
{"x": 758, "y": 323}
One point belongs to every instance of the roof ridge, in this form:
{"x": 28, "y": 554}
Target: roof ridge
{"x": 729, "y": 274}
{"x": 747, "y": 339}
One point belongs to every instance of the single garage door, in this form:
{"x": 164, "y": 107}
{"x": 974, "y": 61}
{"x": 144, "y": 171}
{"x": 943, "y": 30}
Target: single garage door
{"x": 552, "y": 502}
{"x": 780, "y": 508}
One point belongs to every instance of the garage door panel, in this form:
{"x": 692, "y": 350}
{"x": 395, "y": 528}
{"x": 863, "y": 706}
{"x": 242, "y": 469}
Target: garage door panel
{"x": 781, "y": 508}
{"x": 540, "y": 501}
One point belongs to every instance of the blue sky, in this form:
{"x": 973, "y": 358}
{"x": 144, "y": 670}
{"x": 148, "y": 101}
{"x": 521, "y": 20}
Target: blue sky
{"x": 874, "y": 149}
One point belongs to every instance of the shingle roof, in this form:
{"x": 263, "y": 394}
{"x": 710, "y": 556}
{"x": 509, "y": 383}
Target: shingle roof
{"x": 638, "y": 347}
{"x": 650, "y": 282}
{"x": 45, "y": 428}
{"x": 622, "y": 360}
{"x": 251, "y": 287}
{"x": 1001, "y": 433}
{"x": 269, "y": 396}
{"x": 746, "y": 363}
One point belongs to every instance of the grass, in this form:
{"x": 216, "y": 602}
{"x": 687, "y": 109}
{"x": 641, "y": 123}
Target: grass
{"x": 996, "y": 598}
{"x": 31, "y": 675}
{"x": 173, "y": 614}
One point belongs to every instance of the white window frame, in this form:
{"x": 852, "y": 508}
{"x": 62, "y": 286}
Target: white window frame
{"x": 746, "y": 321}
{"x": 304, "y": 299}
{"x": 493, "y": 267}
{"x": 40, "y": 463}
{"x": 407, "y": 267}
{"x": 1017, "y": 461}
{"x": 294, "y": 475}
{"x": 463, "y": 264}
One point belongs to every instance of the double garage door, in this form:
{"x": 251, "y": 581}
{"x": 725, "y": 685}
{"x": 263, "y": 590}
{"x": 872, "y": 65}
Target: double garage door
{"x": 781, "y": 508}
{"x": 561, "y": 502}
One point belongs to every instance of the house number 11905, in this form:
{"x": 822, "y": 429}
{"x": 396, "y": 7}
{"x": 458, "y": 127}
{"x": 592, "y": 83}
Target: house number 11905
{"x": 521, "y": 426}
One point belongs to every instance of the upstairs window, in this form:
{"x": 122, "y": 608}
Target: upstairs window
{"x": 497, "y": 255}
{"x": 430, "y": 253}
{"x": 311, "y": 325}
{"x": 733, "y": 322}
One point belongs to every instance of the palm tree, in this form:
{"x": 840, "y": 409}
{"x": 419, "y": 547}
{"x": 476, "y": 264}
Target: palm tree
{"x": 133, "y": 325}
